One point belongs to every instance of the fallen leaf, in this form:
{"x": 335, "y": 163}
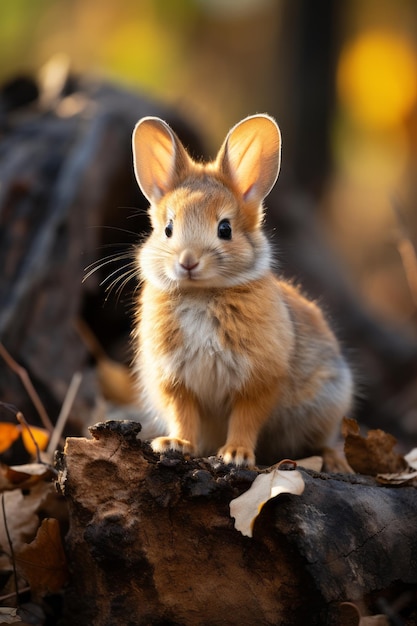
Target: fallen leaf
{"x": 42, "y": 562}
{"x": 397, "y": 479}
{"x": 350, "y": 615}
{"x": 116, "y": 382}
{"x": 8, "y": 615}
{"x": 411, "y": 458}
{"x": 40, "y": 435}
{"x": 23, "y": 476}
{"x": 314, "y": 463}
{"x": 8, "y": 434}
{"x": 21, "y": 510}
{"x": 373, "y": 454}
{"x": 246, "y": 508}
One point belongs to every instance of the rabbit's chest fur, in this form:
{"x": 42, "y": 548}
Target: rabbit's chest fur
{"x": 214, "y": 344}
{"x": 204, "y": 362}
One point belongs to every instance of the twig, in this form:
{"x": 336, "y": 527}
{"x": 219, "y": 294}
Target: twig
{"x": 13, "y": 594}
{"x": 9, "y": 540}
{"x": 64, "y": 413}
{"x": 407, "y": 253}
{"x": 27, "y": 383}
{"x": 409, "y": 261}
{"x": 21, "y": 419}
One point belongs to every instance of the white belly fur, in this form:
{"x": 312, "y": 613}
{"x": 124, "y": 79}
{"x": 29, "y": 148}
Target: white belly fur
{"x": 209, "y": 369}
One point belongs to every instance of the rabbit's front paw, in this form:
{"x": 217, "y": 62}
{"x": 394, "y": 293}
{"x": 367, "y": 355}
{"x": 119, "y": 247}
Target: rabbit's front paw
{"x": 239, "y": 455}
{"x": 163, "y": 444}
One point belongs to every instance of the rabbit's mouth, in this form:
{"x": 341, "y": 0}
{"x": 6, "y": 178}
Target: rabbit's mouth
{"x": 189, "y": 266}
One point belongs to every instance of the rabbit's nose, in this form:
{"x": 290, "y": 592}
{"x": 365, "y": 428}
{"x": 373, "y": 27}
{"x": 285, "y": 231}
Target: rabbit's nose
{"x": 188, "y": 260}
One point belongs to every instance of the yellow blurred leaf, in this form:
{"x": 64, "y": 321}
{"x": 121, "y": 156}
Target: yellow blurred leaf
{"x": 40, "y": 435}
{"x": 246, "y": 508}
{"x": 8, "y": 434}
{"x": 116, "y": 382}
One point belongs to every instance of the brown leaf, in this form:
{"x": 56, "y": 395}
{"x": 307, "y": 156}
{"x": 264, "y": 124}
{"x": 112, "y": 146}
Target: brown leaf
{"x": 42, "y": 562}
{"x": 350, "y": 615}
{"x": 22, "y": 513}
{"x": 23, "y": 476}
{"x": 373, "y": 454}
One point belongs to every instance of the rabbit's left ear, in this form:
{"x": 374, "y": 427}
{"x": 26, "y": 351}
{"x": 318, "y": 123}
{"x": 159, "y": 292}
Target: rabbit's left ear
{"x": 159, "y": 158}
{"x": 251, "y": 156}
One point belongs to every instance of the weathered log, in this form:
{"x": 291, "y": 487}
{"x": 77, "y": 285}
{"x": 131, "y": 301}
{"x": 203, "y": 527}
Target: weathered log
{"x": 151, "y": 540}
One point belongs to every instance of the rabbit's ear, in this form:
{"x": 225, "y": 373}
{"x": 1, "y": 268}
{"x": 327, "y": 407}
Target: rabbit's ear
{"x": 251, "y": 155}
{"x": 159, "y": 158}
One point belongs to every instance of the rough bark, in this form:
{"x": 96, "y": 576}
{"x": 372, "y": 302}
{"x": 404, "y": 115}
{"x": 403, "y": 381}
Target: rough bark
{"x": 152, "y": 542}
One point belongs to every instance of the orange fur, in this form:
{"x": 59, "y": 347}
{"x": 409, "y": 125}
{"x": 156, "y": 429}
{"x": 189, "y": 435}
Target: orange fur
{"x": 230, "y": 360}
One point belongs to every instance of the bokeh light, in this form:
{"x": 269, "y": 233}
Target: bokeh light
{"x": 377, "y": 78}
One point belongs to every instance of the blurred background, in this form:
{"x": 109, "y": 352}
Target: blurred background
{"x": 340, "y": 77}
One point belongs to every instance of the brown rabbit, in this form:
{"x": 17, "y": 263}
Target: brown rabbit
{"x": 231, "y": 360}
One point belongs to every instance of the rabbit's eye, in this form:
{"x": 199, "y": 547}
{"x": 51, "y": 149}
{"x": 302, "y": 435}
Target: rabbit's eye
{"x": 224, "y": 230}
{"x": 169, "y": 228}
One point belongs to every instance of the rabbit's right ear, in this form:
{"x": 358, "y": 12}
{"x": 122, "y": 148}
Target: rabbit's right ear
{"x": 251, "y": 156}
{"x": 159, "y": 158}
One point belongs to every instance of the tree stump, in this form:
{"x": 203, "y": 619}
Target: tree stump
{"x": 151, "y": 540}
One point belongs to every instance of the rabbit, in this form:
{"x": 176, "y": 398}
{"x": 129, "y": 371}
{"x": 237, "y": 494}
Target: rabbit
{"x": 230, "y": 359}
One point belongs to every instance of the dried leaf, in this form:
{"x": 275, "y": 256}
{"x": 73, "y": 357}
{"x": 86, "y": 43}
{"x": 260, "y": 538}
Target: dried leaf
{"x": 409, "y": 475}
{"x": 8, "y": 434}
{"x": 350, "y": 615}
{"x": 314, "y": 463}
{"x": 23, "y": 476}
{"x": 42, "y": 562}
{"x": 398, "y": 479}
{"x": 116, "y": 382}
{"x": 20, "y": 472}
{"x": 411, "y": 458}
{"x": 22, "y": 517}
{"x": 40, "y": 435}
{"x": 8, "y": 615}
{"x": 373, "y": 454}
{"x": 246, "y": 508}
